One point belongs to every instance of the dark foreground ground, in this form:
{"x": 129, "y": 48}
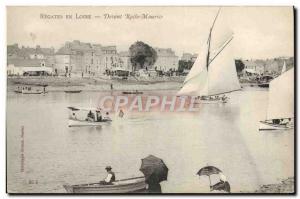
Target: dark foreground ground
{"x": 286, "y": 186}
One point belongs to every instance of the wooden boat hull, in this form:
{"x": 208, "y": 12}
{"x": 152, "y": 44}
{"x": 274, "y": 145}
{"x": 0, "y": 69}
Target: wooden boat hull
{"x": 264, "y": 85}
{"x": 32, "y": 92}
{"x": 132, "y": 93}
{"x": 266, "y": 126}
{"x": 77, "y": 123}
{"x": 134, "y": 185}
{"x": 79, "y": 91}
{"x": 211, "y": 101}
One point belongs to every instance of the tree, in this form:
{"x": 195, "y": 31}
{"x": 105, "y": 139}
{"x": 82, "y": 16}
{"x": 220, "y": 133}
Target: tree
{"x": 184, "y": 65}
{"x": 239, "y": 65}
{"x": 142, "y": 55}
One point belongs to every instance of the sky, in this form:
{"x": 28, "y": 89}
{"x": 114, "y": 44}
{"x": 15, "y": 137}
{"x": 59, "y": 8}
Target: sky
{"x": 259, "y": 32}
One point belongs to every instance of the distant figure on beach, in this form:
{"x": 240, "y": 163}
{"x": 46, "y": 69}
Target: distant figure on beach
{"x": 82, "y": 74}
{"x": 110, "y": 177}
{"x": 121, "y": 113}
{"x": 111, "y": 87}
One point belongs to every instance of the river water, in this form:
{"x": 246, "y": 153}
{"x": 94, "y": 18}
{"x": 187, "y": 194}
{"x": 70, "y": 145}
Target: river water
{"x": 43, "y": 153}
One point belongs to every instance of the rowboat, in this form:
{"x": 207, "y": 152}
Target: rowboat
{"x": 73, "y": 91}
{"x": 280, "y": 112}
{"x": 77, "y": 123}
{"x": 269, "y": 125}
{"x": 264, "y": 81}
{"x": 211, "y": 100}
{"x": 129, "y": 185}
{"x": 87, "y": 117}
{"x": 29, "y": 90}
{"x": 132, "y": 92}
{"x": 32, "y": 92}
{"x": 214, "y": 72}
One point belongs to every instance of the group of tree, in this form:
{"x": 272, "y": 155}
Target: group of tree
{"x": 239, "y": 64}
{"x": 142, "y": 55}
{"x": 184, "y": 65}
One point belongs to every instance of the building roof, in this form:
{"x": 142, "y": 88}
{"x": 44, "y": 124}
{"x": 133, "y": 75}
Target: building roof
{"x": 12, "y": 49}
{"x": 109, "y": 48}
{"x": 64, "y": 51}
{"x": 18, "y": 62}
{"x": 36, "y": 69}
{"x": 165, "y": 52}
{"x": 25, "y": 52}
{"x": 44, "y": 51}
{"x": 124, "y": 54}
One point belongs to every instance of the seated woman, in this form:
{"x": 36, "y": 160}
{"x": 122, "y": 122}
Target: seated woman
{"x": 223, "y": 185}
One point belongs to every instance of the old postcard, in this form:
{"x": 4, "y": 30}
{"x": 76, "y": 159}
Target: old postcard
{"x": 149, "y": 100}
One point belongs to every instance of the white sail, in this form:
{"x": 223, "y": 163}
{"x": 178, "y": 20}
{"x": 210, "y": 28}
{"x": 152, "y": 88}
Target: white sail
{"x": 281, "y": 96}
{"x": 222, "y": 75}
{"x": 197, "y": 77}
{"x": 283, "y": 68}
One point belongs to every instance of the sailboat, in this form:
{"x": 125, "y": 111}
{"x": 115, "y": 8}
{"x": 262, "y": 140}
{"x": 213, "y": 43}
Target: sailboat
{"x": 280, "y": 113}
{"x": 283, "y": 67}
{"x": 212, "y": 74}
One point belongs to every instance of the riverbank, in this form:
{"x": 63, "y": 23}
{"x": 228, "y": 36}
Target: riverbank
{"x": 94, "y": 83}
{"x": 285, "y": 186}
{"x": 100, "y": 83}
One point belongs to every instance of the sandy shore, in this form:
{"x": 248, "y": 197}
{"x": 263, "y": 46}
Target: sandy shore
{"x": 94, "y": 83}
{"x": 286, "y": 186}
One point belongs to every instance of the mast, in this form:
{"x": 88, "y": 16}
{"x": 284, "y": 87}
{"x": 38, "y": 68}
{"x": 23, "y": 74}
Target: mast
{"x": 208, "y": 49}
{"x": 217, "y": 80}
{"x": 209, "y": 39}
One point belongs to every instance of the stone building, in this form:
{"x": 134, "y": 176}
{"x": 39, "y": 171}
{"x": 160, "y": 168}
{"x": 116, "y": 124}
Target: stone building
{"x": 189, "y": 57}
{"x": 166, "y": 60}
{"x": 124, "y": 61}
{"x": 110, "y": 57}
{"x": 92, "y": 59}
{"x": 26, "y": 57}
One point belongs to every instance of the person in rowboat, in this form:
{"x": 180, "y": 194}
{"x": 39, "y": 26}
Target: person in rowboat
{"x": 74, "y": 116}
{"x": 110, "y": 178}
{"x": 98, "y": 116}
{"x": 90, "y": 116}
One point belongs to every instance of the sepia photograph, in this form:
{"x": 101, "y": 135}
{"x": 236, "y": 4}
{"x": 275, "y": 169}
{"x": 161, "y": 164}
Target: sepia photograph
{"x": 150, "y": 100}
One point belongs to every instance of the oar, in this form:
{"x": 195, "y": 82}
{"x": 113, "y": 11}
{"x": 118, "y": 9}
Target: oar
{"x": 209, "y": 182}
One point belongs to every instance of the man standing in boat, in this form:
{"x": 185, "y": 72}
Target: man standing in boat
{"x": 110, "y": 178}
